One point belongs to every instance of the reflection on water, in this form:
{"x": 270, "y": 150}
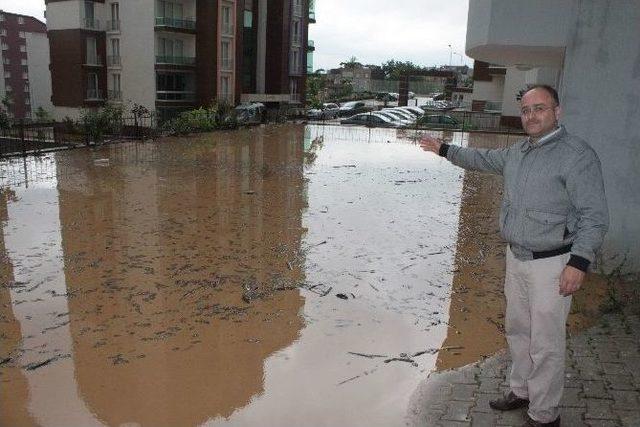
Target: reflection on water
{"x": 208, "y": 281}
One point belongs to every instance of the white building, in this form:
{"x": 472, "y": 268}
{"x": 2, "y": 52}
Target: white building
{"x": 594, "y": 45}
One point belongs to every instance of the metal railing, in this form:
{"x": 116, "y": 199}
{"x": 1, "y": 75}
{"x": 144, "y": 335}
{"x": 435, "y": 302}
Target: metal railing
{"x": 94, "y": 95}
{"x": 174, "y": 95}
{"x": 297, "y": 9}
{"x": 113, "y": 25}
{"x": 295, "y": 70}
{"x": 114, "y": 95}
{"x": 94, "y": 60}
{"x": 186, "y": 24}
{"x": 227, "y": 30}
{"x": 113, "y": 61}
{"x": 226, "y": 64}
{"x": 311, "y": 46}
{"x": 176, "y": 60}
{"x": 91, "y": 24}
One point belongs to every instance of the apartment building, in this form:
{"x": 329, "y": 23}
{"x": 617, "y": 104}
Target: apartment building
{"x": 589, "y": 52}
{"x": 24, "y": 74}
{"x": 173, "y": 55}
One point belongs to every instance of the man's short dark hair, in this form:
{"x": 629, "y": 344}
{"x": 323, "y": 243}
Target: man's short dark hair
{"x": 551, "y": 91}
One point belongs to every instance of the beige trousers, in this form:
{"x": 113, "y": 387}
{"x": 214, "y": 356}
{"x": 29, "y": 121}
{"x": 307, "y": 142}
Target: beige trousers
{"x": 535, "y": 327}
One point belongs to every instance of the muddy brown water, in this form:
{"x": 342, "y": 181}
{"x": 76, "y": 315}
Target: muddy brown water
{"x": 282, "y": 275}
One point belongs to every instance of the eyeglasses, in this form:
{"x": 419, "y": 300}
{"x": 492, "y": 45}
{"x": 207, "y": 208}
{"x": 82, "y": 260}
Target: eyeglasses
{"x": 536, "y": 109}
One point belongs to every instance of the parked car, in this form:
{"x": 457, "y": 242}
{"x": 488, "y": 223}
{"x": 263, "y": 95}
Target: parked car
{"x": 371, "y": 120}
{"x": 399, "y": 112}
{"x": 394, "y": 116}
{"x": 438, "y": 105}
{"x": 329, "y": 110}
{"x": 386, "y": 96}
{"x": 250, "y": 113}
{"x": 350, "y": 108}
{"x": 440, "y": 121}
{"x": 416, "y": 111}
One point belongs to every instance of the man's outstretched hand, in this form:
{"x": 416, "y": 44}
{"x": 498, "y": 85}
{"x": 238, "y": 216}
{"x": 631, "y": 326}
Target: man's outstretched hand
{"x": 429, "y": 143}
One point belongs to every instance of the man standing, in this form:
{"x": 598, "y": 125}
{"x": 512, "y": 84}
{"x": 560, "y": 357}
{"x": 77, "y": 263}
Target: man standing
{"x": 554, "y": 217}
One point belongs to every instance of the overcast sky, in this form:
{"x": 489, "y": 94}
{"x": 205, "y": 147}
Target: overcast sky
{"x": 373, "y": 31}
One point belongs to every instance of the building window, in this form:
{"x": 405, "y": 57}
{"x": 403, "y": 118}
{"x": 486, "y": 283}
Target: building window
{"x": 23, "y": 48}
{"x": 225, "y": 19}
{"x": 8, "y": 88}
{"x": 114, "y": 22}
{"x": 114, "y": 57}
{"x": 25, "y": 76}
{"x": 170, "y": 48}
{"x": 7, "y": 74}
{"x": 296, "y": 32}
{"x": 225, "y": 88}
{"x": 3, "y": 32}
{"x": 92, "y": 51}
{"x": 92, "y": 86}
{"x": 20, "y": 20}
{"x": 27, "y": 101}
{"x": 5, "y": 46}
{"x": 21, "y": 34}
{"x": 225, "y": 56}
{"x": 24, "y": 61}
{"x": 26, "y": 88}
{"x": 1, "y": 17}
{"x": 167, "y": 9}
{"x": 6, "y": 61}
{"x": 115, "y": 93}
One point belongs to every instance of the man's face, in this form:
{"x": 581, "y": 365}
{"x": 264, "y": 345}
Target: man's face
{"x": 539, "y": 113}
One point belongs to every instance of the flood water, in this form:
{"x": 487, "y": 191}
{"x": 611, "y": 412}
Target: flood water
{"x": 284, "y": 275}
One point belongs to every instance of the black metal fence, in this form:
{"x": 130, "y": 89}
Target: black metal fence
{"x": 23, "y": 138}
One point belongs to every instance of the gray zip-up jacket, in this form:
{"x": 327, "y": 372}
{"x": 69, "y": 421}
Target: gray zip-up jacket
{"x": 553, "y": 194}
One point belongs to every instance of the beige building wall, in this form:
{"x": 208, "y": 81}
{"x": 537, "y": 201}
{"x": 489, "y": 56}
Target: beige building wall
{"x": 39, "y": 74}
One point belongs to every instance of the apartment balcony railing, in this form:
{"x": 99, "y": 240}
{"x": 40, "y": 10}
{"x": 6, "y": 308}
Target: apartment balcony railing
{"x": 113, "y": 26}
{"x": 493, "y": 106}
{"x": 94, "y": 61}
{"x": 113, "y": 61}
{"x": 295, "y": 70}
{"x": 312, "y": 12}
{"x": 94, "y": 95}
{"x": 176, "y": 60}
{"x": 227, "y": 30}
{"x": 296, "y": 98}
{"x": 173, "y": 95}
{"x": 297, "y": 9}
{"x": 296, "y": 39}
{"x": 226, "y": 64}
{"x": 114, "y": 95}
{"x": 91, "y": 24}
{"x": 310, "y": 46}
{"x": 185, "y": 24}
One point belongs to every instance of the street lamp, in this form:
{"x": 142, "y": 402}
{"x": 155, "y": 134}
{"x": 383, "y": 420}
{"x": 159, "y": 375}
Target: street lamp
{"x": 460, "y": 55}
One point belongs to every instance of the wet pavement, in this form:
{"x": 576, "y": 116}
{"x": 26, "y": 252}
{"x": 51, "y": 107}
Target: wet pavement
{"x": 280, "y": 275}
{"x": 602, "y": 386}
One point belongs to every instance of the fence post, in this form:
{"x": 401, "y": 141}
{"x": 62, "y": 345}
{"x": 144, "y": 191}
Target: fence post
{"x": 22, "y": 139}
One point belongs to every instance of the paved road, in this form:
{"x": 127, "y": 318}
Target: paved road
{"x": 602, "y": 386}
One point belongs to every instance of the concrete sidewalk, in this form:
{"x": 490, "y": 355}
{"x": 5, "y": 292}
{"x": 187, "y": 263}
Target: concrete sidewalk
{"x": 602, "y": 386}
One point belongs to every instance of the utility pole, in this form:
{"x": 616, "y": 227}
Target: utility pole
{"x": 450, "y": 54}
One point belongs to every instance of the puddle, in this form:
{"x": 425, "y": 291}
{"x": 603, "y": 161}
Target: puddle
{"x": 268, "y": 276}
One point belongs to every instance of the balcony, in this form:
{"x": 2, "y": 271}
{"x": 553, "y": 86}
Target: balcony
{"x": 503, "y": 31}
{"x": 226, "y": 64}
{"x": 312, "y": 12}
{"x": 91, "y": 24}
{"x": 295, "y": 70}
{"x": 114, "y": 95}
{"x": 171, "y": 95}
{"x": 93, "y": 61}
{"x": 176, "y": 60}
{"x": 311, "y": 46}
{"x": 113, "y": 26}
{"x": 94, "y": 95}
{"x": 297, "y": 10}
{"x": 493, "y": 106}
{"x": 296, "y": 39}
{"x": 113, "y": 61}
{"x": 227, "y": 30}
{"x": 177, "y": 24}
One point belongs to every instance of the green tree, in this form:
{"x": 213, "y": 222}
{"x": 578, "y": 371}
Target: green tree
{"x": 351, "y": 63}
{"x": 394, "y": 70}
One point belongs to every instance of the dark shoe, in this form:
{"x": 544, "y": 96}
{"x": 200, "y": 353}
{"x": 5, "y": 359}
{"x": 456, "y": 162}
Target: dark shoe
{"x": 508, "y": 402}
{"x": 533, "y": 423}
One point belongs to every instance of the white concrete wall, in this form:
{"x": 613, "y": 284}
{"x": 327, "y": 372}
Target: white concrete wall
{"x": 489, "y": 91}
{"x": 495, "y": 35}
{"x": 600, "y": 94}
{"x": 39, "y": 74}
{"x": 137, "y": 52}
{"x": 514, "y": 81}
